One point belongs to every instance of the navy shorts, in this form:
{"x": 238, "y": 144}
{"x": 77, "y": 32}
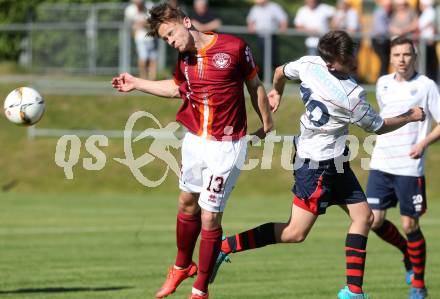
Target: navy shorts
{"x": 385, "y": 190}
{"x": 318, "y": 186}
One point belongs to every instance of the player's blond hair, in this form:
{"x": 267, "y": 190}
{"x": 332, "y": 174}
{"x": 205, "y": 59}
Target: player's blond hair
{"x": 162, "y": 13}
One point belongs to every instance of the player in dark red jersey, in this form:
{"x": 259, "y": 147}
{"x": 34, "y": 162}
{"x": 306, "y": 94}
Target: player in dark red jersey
{"x": 210, "y": 74}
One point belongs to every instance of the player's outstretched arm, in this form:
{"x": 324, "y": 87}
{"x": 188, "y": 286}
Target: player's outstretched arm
{"x": 394, "y": 123}
{"x": 260, "y": 104}
{"x": 418, "y": 149}
{"x": 125, "y": 82}
{"x": 279, "y": 81}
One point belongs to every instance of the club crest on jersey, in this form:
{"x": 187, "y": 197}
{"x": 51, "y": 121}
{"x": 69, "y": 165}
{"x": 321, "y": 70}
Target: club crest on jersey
{"x": 221, "y": 60}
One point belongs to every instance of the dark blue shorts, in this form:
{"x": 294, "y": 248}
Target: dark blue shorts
{"x": 385, "y": 190}
{"x": 320, "y": 186}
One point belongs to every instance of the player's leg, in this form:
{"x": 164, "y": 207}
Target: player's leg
{"x": 187, "y": 231}
{"x": 188, "y": 223}
{"x": 348, "y": 193}
{"x": 412, "y": 199}
{"x": 142, "y": 57}
{"x": 152, "y": 60}
{"x": 311, "y": 186}
{"x": 209, "y": 249}
{"x": 355, "y": 248}
{"x": 223, "y": 160}
{"x": 293, "y": 231}
{"x": 381, "y": 196}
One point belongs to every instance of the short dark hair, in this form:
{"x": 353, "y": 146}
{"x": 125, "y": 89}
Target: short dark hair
{"x": 336, "y": 45}
{"x": 160, "y": 14}
{"x": 403, "y": 40}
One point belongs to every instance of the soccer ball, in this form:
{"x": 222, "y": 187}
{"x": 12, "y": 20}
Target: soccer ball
{"x": 24, "y": 106}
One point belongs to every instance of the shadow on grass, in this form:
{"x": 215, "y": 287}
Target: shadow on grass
{"x": 63, "y": 290}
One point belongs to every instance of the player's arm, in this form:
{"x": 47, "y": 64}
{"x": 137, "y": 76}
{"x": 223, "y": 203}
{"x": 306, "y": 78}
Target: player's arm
{"x": 162, "y": 88}
{"x": 393, "y": 123}
{"x": 278, "y": 82}
{"x": 365, "y": 117}
{"x": 289, "y": 71}
{"x": 418, "y": 149}
{"x": 434, "y": 111}
{"x": 260, "y": 104}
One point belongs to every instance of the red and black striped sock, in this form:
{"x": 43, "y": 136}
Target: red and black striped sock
{"x": 255, "y": 238}
{"x": 187, "y": 231}
{"x": 355, "y": 254}
{"x": 417, "y": 255}
{"x": 390, "y": 234}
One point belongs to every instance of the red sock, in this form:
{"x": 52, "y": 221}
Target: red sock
{"x": 187, "y": 232}
{"x": 209, "y": 250}
{"x": 417, "y": 255}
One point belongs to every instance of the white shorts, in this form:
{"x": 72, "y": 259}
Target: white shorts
{"x": 211, "y": 168}
{"x": 146, "y": 49}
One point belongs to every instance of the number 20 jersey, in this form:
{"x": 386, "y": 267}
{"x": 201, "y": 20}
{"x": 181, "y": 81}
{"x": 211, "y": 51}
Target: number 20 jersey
{"x": 332, "y": 104}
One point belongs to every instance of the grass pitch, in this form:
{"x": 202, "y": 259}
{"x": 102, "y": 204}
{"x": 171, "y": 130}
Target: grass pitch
{"x": 120, "y": 246}
{"x": 104, "y": 235}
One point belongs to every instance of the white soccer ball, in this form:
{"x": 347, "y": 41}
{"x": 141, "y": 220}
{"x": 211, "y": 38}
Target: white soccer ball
{"x": 24, "y": 106}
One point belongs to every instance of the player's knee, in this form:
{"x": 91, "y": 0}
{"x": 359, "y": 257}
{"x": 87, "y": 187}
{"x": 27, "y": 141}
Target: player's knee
{"x": 365, "y": 219}
{"x": 409, "y": 227}
{"x": 210, "y": 220}
{"x": 370, "y": 221}
{"x": 295, "y": 237}
{"x": 188, "y": 203}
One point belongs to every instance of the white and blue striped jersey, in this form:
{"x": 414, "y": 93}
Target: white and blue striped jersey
{"x": 331, "y": 105}
{"x": 391, "y": 151}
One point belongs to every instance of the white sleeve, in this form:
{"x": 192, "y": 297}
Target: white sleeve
{"x": 291, "y": 69}
{"x": 251, "y": 16}
{"x": 352, "y": 20}
{"x": 128, "y": 13}
{"x": 434, "y": 102}
{"x": 299, "y": 18}
{"x": 378, "y": 95}
{"x": 280, "y": 14}
{"x": 364, "y": 116}
{"x": 329, "y": 10}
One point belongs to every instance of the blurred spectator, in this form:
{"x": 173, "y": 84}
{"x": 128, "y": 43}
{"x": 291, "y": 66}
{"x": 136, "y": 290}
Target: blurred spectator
{"x": 427, "y": 31}
{"x": 136, "y": 16}
{"x": 204, "y": 19}
{"x": 404, "y": 19}
{"x": 267, "y": 17}
{"x": 381, "y": 39}
{"x": 314, "y": 18}
{"x": 345, "y": 18}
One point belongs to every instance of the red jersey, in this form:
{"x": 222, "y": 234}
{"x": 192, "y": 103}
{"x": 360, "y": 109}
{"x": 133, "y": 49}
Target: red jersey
{"x": 211, "y": 86}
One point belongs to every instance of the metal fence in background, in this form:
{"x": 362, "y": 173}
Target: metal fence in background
{"x": 93, "y": 39}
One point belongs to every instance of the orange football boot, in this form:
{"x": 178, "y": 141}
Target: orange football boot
{"x": 174, "y": 278}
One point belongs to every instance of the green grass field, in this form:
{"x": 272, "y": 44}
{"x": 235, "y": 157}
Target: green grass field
{"x": 104, "y": 235}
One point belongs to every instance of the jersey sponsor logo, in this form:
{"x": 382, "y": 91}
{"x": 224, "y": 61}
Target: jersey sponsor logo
{"x": 334, "y": 92}
{"x": 221, "y": 60}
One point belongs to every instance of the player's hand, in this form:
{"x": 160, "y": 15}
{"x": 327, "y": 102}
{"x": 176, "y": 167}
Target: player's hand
{"x": 417, "y": 150}
{"x": 274, "y": 100}
{"x": 124, "y": 82}
{"x": 416, "y": 114}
